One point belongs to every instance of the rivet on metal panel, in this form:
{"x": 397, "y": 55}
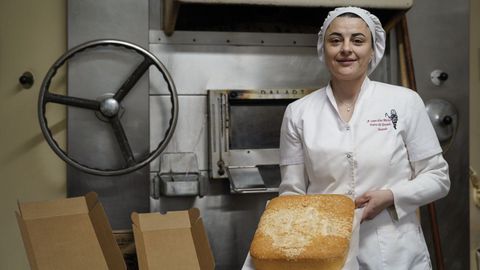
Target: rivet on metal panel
{"x": 26, "y": 80}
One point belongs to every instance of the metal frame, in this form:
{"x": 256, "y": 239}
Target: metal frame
{"x": 233, "y": 38}
{"x": 220, "y": 155}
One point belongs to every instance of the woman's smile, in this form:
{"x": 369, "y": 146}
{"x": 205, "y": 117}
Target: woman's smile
{"x": 346, "y": 61}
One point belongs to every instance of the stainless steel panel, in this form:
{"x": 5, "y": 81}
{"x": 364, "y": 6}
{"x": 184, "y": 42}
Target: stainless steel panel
{"x": 94, "y": 74}
{"x": 199, "y": 61}
{"x": 191, "y": 132}
{"x": 119, "y": 19}
{"x": 443, "y": 44}
{"x": 198, "y": 68}
{"x": 252, "y": 157}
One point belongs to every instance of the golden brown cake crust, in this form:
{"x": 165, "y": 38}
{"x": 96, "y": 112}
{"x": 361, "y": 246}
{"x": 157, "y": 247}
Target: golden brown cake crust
{"x": 304, "y": 230}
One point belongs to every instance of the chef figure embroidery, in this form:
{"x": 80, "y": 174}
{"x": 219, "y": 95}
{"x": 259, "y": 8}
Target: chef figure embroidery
{"x": 393, "y": 117}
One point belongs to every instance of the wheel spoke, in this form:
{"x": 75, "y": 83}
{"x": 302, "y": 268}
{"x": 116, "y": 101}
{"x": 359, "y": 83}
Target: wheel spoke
{"x": 133, "y": 79}
{"x": 123, "y": 141}
{"x": 73, "y": 101}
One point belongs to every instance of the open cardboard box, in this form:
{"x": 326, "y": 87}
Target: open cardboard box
{"x": 71, "y": 233}
{"x": 176, "y": 240}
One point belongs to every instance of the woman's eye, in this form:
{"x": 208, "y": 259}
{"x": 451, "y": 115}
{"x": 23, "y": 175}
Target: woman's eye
{"x": 335, "y": 40}
{"x": 358, "y": 41}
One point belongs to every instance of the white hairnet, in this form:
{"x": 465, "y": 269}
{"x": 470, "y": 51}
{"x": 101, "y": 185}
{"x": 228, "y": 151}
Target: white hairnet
{"x": 374, "y": 25}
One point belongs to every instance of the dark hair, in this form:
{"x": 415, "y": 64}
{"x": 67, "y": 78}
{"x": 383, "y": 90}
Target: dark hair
{"x": 349, "y": 15}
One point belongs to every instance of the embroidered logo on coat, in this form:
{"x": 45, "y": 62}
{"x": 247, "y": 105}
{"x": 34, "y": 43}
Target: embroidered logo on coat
{"x": 393, "y": 117}
{"x": 381, "y": 124}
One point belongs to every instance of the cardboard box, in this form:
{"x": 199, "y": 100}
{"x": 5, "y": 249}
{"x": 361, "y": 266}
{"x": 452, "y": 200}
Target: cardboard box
{"x": 174, "y": 241}
{"x": 69, "y": 234}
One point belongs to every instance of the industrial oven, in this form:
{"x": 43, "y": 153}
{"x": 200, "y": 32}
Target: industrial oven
{"x": 235, "y": 68}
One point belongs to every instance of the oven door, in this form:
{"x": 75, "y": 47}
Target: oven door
{"x": 244, "y": 136}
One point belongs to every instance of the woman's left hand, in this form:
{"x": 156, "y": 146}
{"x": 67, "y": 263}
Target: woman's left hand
{"x": 374, "y": 201}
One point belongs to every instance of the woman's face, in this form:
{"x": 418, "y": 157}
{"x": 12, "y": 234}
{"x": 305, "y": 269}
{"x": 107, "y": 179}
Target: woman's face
{"x": 348, "y": 48}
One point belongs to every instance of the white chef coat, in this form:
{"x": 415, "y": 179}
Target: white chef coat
{"x": 389, "y": 143}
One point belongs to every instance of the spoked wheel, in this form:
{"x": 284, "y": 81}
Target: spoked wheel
{"x": 108, "y": 108}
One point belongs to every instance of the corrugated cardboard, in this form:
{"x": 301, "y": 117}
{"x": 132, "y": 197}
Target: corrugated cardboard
{"x": 176, "y": 240}
{"x": 69, "y": 234}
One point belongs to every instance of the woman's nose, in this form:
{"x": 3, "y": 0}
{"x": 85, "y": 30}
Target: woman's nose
{"x": 346, "y": 47}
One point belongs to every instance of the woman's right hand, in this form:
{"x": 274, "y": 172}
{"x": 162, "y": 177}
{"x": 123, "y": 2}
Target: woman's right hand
{"x": 374, "y": 202}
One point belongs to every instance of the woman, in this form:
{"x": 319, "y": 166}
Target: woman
{"x": 369, "y": 140}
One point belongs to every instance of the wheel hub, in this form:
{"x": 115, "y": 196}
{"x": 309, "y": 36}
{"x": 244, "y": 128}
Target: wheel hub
{"x": 109, "y": 107}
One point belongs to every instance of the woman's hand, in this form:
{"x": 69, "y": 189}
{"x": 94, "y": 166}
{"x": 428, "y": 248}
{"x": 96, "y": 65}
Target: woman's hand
{"x": 374, "y": 202}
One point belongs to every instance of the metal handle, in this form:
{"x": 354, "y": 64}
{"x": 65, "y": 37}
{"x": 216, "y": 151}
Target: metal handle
{"x": 438, "y": 77}
{"x": 443, "y": 76}
{"x": 447, "y": 120}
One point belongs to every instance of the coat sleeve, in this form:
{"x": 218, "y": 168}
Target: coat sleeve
{"x": 291, "y": 145}
{"x": 294, "y": 180}
{"x": 292, "y": 166}
{"x": 430, "y": 182}
{"x": 430, "y": 179}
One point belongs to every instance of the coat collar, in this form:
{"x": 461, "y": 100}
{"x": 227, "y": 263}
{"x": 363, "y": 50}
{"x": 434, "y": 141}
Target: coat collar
{"x": 365, "y": 91}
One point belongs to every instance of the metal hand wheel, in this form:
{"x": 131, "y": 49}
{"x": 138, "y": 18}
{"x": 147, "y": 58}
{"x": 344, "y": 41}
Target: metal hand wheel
{"x": 108, "y": 108}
